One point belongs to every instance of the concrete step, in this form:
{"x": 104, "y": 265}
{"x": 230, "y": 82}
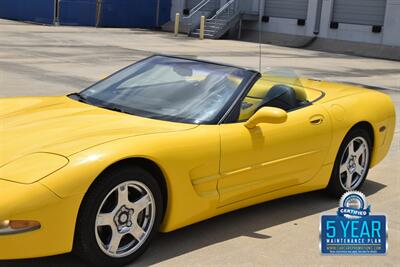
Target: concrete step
{"x": 215, "y": 24}
{"x": 170, "y": 26}
{"x": 227, "y": 17}
{"x": 213, "y": 27}
{"x": 206, "y": 35}
{"x": 205, "y": 31}
{"x": 219, "y": 20}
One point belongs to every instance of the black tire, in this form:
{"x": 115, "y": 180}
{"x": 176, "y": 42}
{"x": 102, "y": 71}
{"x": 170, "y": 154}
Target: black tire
{"x": 85, "y": 244}
{"x": 335, "y": 187}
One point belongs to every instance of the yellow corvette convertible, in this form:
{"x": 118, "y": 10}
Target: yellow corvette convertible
{"x": 167, "y": 142}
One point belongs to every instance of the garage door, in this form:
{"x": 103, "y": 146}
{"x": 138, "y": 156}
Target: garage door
{"x": 292, "y": 9}
{"x": 365, "y": 12}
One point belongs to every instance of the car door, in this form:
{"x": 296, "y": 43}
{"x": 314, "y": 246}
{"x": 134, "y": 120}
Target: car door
{"x": 272, "y": 156}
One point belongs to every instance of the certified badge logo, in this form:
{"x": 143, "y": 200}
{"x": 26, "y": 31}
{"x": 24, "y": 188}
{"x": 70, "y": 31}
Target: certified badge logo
{"x": 353, "y": 205}
{"x": 353, "y": 230}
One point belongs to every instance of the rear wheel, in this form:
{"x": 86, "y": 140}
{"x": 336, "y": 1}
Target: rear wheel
{"x": 118, "y": 217}
{"x": 352, "y": 163}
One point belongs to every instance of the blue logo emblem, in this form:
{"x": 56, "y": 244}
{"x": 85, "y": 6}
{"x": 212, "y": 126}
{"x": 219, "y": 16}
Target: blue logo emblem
{"x": 353, "y": 230}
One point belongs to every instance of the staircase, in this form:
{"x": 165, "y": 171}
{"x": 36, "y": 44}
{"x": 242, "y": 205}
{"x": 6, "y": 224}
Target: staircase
{"x": 205, "y": 8}
{"x": 221, "y": 22}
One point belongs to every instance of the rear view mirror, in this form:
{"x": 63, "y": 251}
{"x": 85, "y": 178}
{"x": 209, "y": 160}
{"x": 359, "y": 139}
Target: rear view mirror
{"x": 183, "y": 71}
{"x": 267, "y": 115}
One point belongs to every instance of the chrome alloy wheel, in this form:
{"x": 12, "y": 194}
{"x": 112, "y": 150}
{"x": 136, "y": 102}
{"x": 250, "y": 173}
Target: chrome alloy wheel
{"x": 125, "y": 219}
{"x": 354, "y": 163}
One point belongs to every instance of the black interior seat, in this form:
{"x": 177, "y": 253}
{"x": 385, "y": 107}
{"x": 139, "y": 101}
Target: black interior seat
{"x": 281, "y": 96}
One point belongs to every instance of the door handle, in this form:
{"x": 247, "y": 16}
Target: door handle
{"x": 317, "y": 119}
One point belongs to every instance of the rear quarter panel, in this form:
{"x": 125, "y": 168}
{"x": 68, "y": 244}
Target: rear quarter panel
{"x": 369, "y": 106}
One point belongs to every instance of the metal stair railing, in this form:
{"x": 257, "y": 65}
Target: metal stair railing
{"x": 202, "y": 5}
{"x": 227, "y": 11}
{"x": 229, "y": 14}
{"x": 204, "y": 8}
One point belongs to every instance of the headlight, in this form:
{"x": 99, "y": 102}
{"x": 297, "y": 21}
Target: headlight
{"x": 17, "y": 226}
{"x": 33, "y": 167}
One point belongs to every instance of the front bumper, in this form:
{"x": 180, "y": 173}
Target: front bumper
{"x": 57, "y": 217}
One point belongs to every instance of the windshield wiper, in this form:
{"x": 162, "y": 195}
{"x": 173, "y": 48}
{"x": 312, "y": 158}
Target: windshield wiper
{"x": 79, "y": 97}
{"x": 113, "y": 108}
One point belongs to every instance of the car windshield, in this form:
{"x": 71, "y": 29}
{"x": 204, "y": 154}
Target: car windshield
{"x": 168, "y": 88}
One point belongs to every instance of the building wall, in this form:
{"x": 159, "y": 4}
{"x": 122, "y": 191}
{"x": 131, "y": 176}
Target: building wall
{"x": 389, "y": 35}
{"x": 40, "y": 11}
{"x": 392, "y": 23}
{"x": 177, "y": 6}
{"x": 107, "y": 13}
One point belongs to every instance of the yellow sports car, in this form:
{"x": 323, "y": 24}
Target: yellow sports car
{"x": 167, "y": 142}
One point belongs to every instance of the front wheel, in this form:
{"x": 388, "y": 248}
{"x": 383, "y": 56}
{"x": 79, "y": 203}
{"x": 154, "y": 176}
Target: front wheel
{"x": 118, "y": 217}
{"x": 352, "y": 163}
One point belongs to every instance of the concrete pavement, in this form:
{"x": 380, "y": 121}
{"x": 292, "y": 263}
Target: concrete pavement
{"x": 43, "y": 60}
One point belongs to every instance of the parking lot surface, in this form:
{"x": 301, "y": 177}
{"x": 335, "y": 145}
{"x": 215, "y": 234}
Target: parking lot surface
{"x": 43, "y": 60}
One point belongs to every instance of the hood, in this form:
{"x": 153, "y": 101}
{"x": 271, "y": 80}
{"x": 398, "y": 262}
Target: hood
{"x": 65, "y": 126}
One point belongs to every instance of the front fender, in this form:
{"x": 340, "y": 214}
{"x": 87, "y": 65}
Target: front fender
{"x": 187, "y": 159}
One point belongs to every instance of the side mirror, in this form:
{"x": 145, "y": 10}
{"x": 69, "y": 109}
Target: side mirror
{"x": 266, "y": 115}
